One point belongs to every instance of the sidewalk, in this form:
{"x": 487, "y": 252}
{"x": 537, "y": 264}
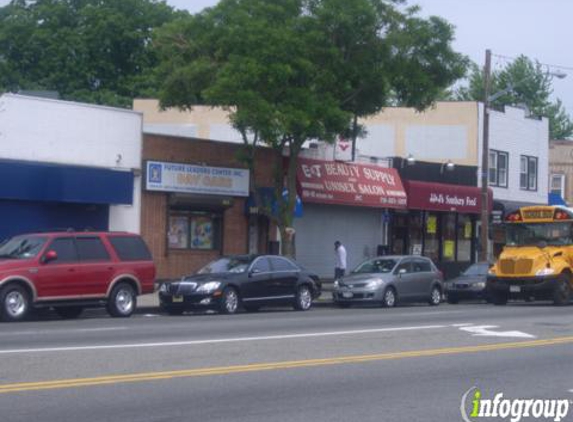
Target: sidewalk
{"x": 149, "y": 303}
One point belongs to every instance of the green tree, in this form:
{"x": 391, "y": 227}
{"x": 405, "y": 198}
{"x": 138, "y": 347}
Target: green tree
{"x": 95, "y": 51}
{"x": 524, "y": 82}
{"x": 294, "y": 70}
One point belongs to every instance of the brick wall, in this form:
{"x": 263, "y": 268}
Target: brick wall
{"x": 175, "y": 263}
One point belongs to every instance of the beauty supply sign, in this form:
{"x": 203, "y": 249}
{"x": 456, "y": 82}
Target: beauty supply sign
{"x": 187, "y": 178}
{"x": 332, "y": 182}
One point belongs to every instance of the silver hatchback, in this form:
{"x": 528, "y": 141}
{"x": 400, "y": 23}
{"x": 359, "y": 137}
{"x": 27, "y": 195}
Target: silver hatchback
{"x": 388, "y": 280}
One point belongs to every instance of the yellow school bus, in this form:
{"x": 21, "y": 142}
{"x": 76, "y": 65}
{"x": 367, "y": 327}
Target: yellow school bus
{"x": 537, "y": 259}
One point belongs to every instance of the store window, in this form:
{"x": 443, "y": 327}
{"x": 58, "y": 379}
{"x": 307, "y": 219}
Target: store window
{"x": 194, "y": 230}
{"x": 449, "y": 237}
{"x": 498, "y": 162}
{"x": 557, "y": 186}
{"x": 528, "y": 173}
{"x": 464, "y": 238}
{"x": 432, "y": 240}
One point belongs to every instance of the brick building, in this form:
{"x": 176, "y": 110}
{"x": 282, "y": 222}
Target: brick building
{"x": 194, "y": 202}
{"x": 561, "y": 169}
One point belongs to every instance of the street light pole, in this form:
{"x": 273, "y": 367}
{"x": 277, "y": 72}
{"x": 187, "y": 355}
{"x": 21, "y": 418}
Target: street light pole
{"x": 484, "y": 238}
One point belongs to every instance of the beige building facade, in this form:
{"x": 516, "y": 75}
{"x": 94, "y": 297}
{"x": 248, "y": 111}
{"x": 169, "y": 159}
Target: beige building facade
{"x": 561, "y": 169}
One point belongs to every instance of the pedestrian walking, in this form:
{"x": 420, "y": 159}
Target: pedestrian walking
{"x": 340, "y": 266}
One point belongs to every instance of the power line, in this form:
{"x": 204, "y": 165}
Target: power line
{"x": 555, "y": 66}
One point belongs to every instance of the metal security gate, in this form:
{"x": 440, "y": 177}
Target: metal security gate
{"x": 358, "y": 228}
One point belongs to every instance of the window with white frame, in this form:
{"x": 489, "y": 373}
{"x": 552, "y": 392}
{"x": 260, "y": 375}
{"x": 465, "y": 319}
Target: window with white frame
{"x": 528, "y": 173}
{"x": 557, "y": 184}
{"x": 498, "y": 162}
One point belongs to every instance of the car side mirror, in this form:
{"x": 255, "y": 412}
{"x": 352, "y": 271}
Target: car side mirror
{"x": 401, "y": 271}
{"x": 254, "y": 271}
{"x": 50, "y": 256}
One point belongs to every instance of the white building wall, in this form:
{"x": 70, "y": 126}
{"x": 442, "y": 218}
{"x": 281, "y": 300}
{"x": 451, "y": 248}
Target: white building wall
{"x": 63, "y": 132}
{"x": 511, "y": 131}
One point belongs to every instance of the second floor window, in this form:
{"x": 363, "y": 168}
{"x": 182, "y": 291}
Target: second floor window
{"x": 528, "y": 173}
{"x": 498, "y": 161}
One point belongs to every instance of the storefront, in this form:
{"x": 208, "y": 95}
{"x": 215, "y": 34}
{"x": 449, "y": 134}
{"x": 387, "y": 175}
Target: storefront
{"x": 194, "y": 203}
{"x": 42, "y": 196}
{"x": 440, "y": 223}
{"x": 348, "y": 202}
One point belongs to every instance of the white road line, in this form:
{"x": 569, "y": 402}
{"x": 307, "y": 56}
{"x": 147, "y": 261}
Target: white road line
{"x": 467, "y": 324}
{"x": 74, "y": 330}
{"x": 487, "y": 331}
{"x": 222, "y": 340}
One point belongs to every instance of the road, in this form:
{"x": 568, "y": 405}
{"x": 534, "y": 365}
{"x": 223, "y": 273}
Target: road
{"x": 363, "y": 364}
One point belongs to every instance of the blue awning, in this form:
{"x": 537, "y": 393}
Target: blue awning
{"x": 267, "y": 196}
{"x": 29, "y": 181}
{"x": 556, "y": 199}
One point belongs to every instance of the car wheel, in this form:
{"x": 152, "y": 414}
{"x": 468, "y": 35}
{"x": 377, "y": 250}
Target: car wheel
{"x": 69, "y": 312}
{"x": 303, "y": 300}
{"x": 453, "y": 299}
{"x": 562, "y": 292}
{"x": 499, "y": 298}
{"x": 435, "y": 296}
{"x": 122, "y": 301}
{"x": 252, "y": 308}
{"x": 15, "y": 303}
{"x": 229, "y": 301}
{"x": 389, "y": 299}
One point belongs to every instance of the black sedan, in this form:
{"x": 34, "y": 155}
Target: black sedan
{"x": 469, "y": 285}
{"x": 250, "y": 281}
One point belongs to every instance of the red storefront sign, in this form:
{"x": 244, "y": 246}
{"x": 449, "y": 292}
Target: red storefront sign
{"x": 331, "y": 182}
{"x": 442, "y": 197}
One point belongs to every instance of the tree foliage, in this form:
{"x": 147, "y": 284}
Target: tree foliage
{"x": 290, "y": 71}
{"x": 525, "y": 83}
{"x": 87, "y": 50}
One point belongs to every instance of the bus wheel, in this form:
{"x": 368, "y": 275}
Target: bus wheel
{"x": 562, "y": 292}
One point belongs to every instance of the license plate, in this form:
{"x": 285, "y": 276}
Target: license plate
{"x": 515, "y": 289}
{"x": 177, "y": 299}
{"x": 347, "y": 295}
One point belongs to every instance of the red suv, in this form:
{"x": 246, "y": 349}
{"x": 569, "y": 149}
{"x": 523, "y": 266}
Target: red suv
{"x": 70, "y": 271}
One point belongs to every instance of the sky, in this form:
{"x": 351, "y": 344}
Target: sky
{"x": 539, "y": 29}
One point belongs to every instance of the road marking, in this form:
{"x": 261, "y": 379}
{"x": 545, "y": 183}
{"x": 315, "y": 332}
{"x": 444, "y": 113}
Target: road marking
{"x": 487, "y": 331}
{"x": 462, "y": 325}
{"x": 222, "y": 340}
{"x": 258, "y": 367}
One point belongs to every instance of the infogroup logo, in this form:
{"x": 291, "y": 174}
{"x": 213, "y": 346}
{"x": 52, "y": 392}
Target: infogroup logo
{"x": 513, "y": 410}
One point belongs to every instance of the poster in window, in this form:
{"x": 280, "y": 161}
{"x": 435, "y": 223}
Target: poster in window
{"x": 178, "y": 235}
{"x": 431, "y": 224}
{"x": 202, "y": 233}
{"x": 468, "y": 230}
{"x": 449, "y": 247}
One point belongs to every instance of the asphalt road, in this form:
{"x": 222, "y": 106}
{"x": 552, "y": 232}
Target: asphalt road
{"x": 411, "y": 363}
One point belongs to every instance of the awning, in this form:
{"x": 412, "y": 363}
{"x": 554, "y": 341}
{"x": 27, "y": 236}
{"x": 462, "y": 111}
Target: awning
{"x": 445, "y": 197}
{"x": 331, "y": 182}
{"x": 31, "y": 181}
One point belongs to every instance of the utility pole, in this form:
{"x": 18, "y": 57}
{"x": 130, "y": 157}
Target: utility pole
{"x": 484, "y": 238}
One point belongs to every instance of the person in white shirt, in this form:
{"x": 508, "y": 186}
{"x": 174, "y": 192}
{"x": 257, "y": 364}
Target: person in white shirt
{"x": 340, "y": 266}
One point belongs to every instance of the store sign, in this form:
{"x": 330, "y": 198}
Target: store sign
{"x": 187, "y": 178}
{"x": 331, "y": 182}
{"x": 442, "y": 197}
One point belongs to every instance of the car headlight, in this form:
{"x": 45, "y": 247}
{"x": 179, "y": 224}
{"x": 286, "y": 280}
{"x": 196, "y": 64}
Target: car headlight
{"x": 373, "y": 284}
{"x": 209, "y": 287}
{"x": 480, "y": 285}
{"x": 336, "y": 284}
{"x": 545, "y": 271}
{"x": 163, "y": 288}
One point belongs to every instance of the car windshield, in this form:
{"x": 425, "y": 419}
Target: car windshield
{"x": 534, "y": 234}
{"x": 477, "y": 269}
{"x": 21, "y": 247}
{"x": 376, "y": 266}
{"x": 226, "y": 265}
